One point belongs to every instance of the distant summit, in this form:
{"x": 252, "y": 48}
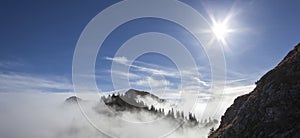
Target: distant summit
{"x": 135, "y": 93}
{"x": 73, "y": 99}
{"x": 129, "y": 100}
{"x": 272, "y": 109}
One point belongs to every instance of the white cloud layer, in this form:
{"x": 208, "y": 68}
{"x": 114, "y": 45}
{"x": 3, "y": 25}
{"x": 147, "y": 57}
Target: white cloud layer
{"x": 45, "y": 115}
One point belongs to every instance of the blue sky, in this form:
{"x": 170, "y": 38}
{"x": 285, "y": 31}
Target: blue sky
{"x": 38, "y": 39}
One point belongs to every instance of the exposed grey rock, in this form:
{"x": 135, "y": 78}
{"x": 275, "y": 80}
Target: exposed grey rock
{"x": 272, "y": 109}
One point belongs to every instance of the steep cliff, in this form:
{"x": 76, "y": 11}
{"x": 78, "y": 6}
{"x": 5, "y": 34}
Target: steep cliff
{"x": 272, "y": 109}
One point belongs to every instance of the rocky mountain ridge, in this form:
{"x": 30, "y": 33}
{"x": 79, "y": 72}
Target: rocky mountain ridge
{"x": 272, "y": 109}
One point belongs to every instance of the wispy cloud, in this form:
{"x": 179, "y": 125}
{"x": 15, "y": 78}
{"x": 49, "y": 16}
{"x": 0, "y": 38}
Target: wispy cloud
{"x": 148, "y": 69}
{"x": 10, "y": 64}
{"x": 120, "y": 60}
{"x": 145, "y": 67}
{"x": 153, "y": 83}
{"x": 125, "y": 74}
{"x": 20, "y": 82}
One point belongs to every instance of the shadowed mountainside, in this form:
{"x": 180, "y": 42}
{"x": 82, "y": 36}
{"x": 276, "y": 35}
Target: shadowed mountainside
{"x": 272, "y": 109}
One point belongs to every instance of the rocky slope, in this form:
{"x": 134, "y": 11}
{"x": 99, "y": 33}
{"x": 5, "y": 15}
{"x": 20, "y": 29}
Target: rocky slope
{"x": 272, "y": 109}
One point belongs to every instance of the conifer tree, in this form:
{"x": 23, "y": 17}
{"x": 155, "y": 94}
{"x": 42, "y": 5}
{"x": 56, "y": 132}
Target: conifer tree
{"x": 152, "y": 108}
{"x": 177, "y": 114}
{"x": 182, "y": 114}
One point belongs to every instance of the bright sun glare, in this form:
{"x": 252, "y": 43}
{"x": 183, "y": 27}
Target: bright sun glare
{"x": 220, "y": 30}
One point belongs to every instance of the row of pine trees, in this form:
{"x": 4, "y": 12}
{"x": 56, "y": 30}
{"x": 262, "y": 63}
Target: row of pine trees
{"x": 122, "y": 100}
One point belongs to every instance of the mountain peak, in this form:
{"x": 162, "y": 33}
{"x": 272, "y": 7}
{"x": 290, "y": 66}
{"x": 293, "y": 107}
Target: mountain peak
{"x": 137, "y": 92}
{"x": 73, "y": 99}
{"x": 291, "y": 56}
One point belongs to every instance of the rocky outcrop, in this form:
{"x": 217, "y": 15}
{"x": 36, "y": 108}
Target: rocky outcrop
{"x": 272, "y": 109}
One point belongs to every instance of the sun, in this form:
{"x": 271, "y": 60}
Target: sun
{"x": 220, "y": 30}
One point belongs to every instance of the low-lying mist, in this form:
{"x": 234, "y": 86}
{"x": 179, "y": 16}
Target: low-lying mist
{"x": 46, "y": 115}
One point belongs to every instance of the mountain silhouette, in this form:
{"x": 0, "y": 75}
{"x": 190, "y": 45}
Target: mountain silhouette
{"x": 129, "y": 102}
{"x": 73, "y": 99}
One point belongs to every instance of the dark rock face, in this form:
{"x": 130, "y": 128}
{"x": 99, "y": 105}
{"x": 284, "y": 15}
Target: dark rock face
{"x": 272, "y": 109}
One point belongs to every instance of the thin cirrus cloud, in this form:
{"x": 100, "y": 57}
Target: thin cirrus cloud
{"x": 144, "y": 67}
{"x": 156, "y": 83}
{"x": 20, "y": 82}
{"x": 10, "y": 64}
{"x": 151, "y": 69}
